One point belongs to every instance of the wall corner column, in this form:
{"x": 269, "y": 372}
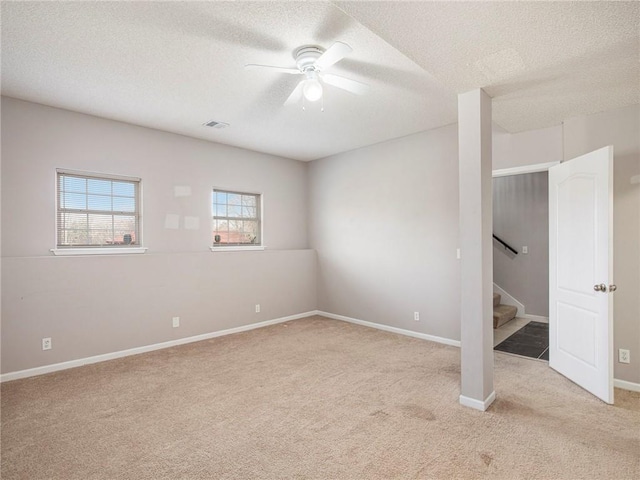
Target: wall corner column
{"x": 476, "y": 224}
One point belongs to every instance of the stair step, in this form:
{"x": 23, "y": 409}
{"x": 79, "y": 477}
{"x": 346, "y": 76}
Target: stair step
{"x": 496, "y": 299}
{"x": 502, "y": 314}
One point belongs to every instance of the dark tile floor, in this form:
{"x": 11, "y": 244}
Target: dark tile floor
{"x": 530, "y": 341}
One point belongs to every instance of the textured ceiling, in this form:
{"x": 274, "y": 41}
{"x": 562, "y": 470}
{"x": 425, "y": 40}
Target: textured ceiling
{"x": 541, "y": 62}
{"x": 176, "y": 65}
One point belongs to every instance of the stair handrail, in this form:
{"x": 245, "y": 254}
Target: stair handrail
{"x": 505, "y": 244}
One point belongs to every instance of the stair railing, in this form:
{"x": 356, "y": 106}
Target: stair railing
{"x": 505, "y": 244}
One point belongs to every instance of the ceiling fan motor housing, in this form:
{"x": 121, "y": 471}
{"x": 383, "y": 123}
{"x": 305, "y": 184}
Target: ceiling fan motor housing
{"x": 312, "y": 61}
{"x": 306, "y": 56}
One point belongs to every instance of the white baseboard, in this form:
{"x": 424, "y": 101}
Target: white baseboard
{"x": 466, "y": 401}
{"x": 31, "y": 372}
{"x": 536, "y": 318}
{"x": 634, "y": 387}
{"x": 387, "y": 328}
{"x": 478, "y": 404}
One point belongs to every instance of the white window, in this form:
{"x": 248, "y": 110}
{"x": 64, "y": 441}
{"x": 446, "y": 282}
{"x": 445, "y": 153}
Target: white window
{"x": 236, "y": 219}
{"x": 97, "y": 211}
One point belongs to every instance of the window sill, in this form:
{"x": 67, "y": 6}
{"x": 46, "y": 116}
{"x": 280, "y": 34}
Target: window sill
{"x": 97, "y": 251}
{"x": 237, "y": 248}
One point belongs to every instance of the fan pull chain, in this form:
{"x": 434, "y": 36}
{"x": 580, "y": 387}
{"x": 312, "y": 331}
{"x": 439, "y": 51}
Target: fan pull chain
{"x": 322, "y": 105}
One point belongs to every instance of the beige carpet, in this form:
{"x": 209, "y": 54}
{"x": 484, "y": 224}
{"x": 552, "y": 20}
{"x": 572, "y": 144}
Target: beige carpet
{"x": 314, "y": 398}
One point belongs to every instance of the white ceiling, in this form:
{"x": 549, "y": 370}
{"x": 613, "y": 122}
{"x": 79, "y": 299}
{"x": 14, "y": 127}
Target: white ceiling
{"x": 175, "y": 65}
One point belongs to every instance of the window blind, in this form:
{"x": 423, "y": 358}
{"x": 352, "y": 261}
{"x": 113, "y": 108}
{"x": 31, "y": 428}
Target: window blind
{"x": 97, "y": 211}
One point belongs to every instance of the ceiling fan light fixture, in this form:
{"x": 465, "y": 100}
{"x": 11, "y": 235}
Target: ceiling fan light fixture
{"x": 312, "y": 61}
{"x": 312, "y": 90}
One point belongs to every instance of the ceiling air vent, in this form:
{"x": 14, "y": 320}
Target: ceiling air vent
{"x": 214, "y": 124}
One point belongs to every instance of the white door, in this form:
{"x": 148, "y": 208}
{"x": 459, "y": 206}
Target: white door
{"x": 581, "y": 271}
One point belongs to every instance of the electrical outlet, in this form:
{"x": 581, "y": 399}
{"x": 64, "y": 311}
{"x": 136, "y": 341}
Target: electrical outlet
{"x": 525, "y": 250}
{"x": 624, "y": 356}
{"x": 46, "y": 343}
{"x": 257, "y": 308}
{"x": 176, "y": 322}
{"x": 416, "y": 316}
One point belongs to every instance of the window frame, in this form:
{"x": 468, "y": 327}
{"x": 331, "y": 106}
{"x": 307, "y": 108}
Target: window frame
{"x": 99, "y": 249}
{"x": 260, "y": 220}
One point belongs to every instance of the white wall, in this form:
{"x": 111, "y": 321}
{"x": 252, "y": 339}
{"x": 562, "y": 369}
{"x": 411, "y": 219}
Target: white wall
{"x": 384, "y": 222}
{"x": 95, "y": 305}
{"x": 620, "y": 128}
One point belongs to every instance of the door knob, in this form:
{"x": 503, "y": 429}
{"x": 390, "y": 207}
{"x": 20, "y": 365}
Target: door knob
{"x": 600, "y": 287}
{"x": 613, "y": 288}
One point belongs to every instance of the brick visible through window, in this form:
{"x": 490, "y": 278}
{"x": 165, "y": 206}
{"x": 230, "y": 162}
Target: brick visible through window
{"x": 236, "y": 218}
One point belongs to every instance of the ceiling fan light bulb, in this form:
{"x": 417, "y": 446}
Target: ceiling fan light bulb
{"x": 312, "y": 90}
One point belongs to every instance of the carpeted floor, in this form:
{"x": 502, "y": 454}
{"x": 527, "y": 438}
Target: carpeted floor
{"x": 313, "y": 398}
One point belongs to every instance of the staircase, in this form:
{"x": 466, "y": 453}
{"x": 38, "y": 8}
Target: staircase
{"x": 502, "y": 313}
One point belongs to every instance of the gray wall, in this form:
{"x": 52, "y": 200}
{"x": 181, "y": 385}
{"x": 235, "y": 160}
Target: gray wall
{"x": 380, "y": 265}
{"x": 620, "y": 128}
{"x": 521, "y": 218}
{"x": 37, "y": 139}
{"x": 94, "y": 305}
{"x": 384, "y": 222}
{"x": 522, "y": 149}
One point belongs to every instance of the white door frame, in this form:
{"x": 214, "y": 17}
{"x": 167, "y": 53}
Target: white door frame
{"x": 538, "y": 167}
{"x": 507, "y": 172}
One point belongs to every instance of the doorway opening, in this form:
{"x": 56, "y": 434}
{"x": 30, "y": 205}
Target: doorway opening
{"x": 521, "y": 261}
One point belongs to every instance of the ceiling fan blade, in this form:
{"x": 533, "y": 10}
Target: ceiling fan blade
{"x": 344, "y": 83}
{"x": 292, "y": 71}
{"x": 333, "y": 54}
{"x": 295, "y": 96}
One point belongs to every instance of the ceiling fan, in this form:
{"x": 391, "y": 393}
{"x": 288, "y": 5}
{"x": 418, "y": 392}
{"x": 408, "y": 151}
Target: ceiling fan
{"x": 312, "y": 61}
